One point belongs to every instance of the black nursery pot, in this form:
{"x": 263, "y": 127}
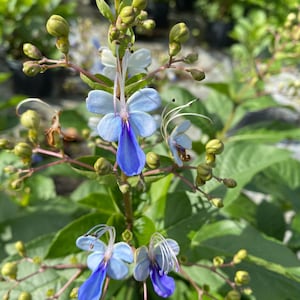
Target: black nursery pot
{"x": 217, "y": 33}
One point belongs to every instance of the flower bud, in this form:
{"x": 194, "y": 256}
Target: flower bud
{"x": 124, "y": 188}
{"x": 217, "y": 202}
{"x": 204, "y": 171}
{"x": 16, "y": 184}
{"x": 102, "y": 166}
{"x": 20, "y": 247}
{"x": 174, "y": 48}
{"x": 233, "y": 295}
{"x": 10, "y": 270}
{"x": 142, "y": 16}
{"x": 57, "y": 26}
{"x": 25, "y": 296}
{"x": 197, "y": 75}
{"x": 127, "y": 235}
{"x": 152, "y": 160}
{"x": 218, "y": 261}
{"x": 32, "y": 51}
{"x": 210, "y": 159}
{"x": 179, "y": 33}
{"x": 139, "y": 4}
{"x": 241, "y": 278}
{"x": 239, "y": 256}
{"x": 229, "y": 182}
{"x": 31, "y": 68}
{"x": 148, "y": 24}
{"x": 10, "y": 169}
{"x": 214, "y": 146}
{"x": 4, "y": 143}
{"x": 191, "y": 58}
{"x": 127, "y": 15}
{"x": 74, "y": 293}
{"x": 30, "y": 119}
{"x": 113, "y": 33}
{"x": 199, "y": 181}
{"x": 24, "y": 151}
{"x": 62, "y": 44}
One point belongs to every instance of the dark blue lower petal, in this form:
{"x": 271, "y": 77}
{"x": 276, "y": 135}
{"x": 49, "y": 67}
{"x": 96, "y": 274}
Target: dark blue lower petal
{"x": 92, "y": 287}
{"x": 163, "y": 285}
{"x": 130, "y": 156}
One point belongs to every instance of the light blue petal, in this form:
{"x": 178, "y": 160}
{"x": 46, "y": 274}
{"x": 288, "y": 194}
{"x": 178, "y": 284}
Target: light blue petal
{"x": 142, "y": 123}
{"x": 123, "y": 252}
{"x": 91, "y": 289}
{"x": 100, "y": 102}
{"x": 107, "y": 58}
{"x": 90, "y": 243}
{"x": 183, "y": 140}
{"x": 94, "y": 260}
{"x": 139, "y": 59}
{"x": 174, "y": 246}
{"x": 116, "y": 269}
{"x": 163, "y": 285}
{"x": 181, "y": 128}
{"x": 142, "y": 267}
{"x": 146, "y": 99}
{"x": 130, "y": 156}
{"x": 109, "y": 127}
{"x": 109, "y": 72}
{"x": 174, "y": 152}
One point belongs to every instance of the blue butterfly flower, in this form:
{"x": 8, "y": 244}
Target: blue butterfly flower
{"x": 157, "y": 261}
{"x": 106, "y": 260}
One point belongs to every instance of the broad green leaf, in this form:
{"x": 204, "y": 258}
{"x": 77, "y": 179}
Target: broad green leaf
{"x": 105, "y": 10}
{"x": 143, "y": 228}
{"x": 64, "y": 241}
{"x": 96, "y": 85}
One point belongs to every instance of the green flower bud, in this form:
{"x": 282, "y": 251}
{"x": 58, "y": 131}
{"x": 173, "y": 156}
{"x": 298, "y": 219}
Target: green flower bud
{"x": 127, "y": 236}
{"x": 10, "y": 270}
{"x": 24, "y": 151}
{"x": 217, "y": 202}
{"x": 199, "y": 181}
{"x": 218, "y": 261}
{"x": 20, "y": 247}
{"x": 233, "y": 295}
{"x": 4, "y": 143}
{"x": 174, "y": 48}
{"x": 31, "y": 68}
{"x": 10, "y": 169}
{"x": 113, "y": 33}
{"x": 30, "y": 119}
{"x": 50, "y": 293}
{"x": 214, "y": 146}
{"x": 124, "y": 188}
{"x": 204, "y": 171}
{"x": 139, "y": 4}
{"x": 37, "y": 260}
{"x": 33, "y": 136}
{"x": 239, "y": 256}
{"x": 229, "y": 182}
{"x": 102, "y": 166}
{"x": 16, "y": 184}
{"x": 142, "y": 16}
{"x": 152, "y": 160}
{"x": 179, "y": 33}
{"x": 74, "y": 293}
{"x": 148, "y": 24}
{"x": 63, "y": 45}
{"x": 57, "y": 26}
{"x": 241, "y": 278}
{"x": 32, "y": 51}
{"x": 25, "y": 296}
{"x": 197, "y": 75}
{"x": 210, "y": 159}
{"x": 191, "y": 58}
{"x": 127, "y": 15}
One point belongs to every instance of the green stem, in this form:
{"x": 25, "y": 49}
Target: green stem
{"x": 127, "y": 205}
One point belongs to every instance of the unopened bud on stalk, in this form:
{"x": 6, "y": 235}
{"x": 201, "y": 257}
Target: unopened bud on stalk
{"x": 174, "y": 48}
{"x": 62, "y": 44}
{"x": 57, "y": 26}
{"x": 124, "y": 188}
{"x": 148, "y": 24}
{"x": 214, "y": 146}
{"x": 239, "y": 256}
{"x": 127, "y": 235}
{"x": 210, "y": 159}
{"x": 142, "y": 16}
{"x": 199, "y": 181}
{"x": 103, "y": 166}
{"x": 20, "y": 247}
{"x": 30, "y": 119}
{"x": 32, "y": 51}
{"x": 229, "y": 182}
{"x": 179, "y": 33}
{"x": 10, "y": 270}
{"x": 113, "y": 33}
{"x": 31, "y": 68}
{"x": 197, "y": 75}
{"x": 191, "y": 58}
{"x": 217, "y": 202}
{"x": 139, "y": 4}
{"x": 218, "y": 261}
{"x": 74, "y": 293}
{"x": 152, "y": 160}
{"x": 233, "y": 295}
{"x": 25, "y": 296}
{"x": 241, "y": 277}
{"x": 127, "y": 15}
{"x": 204, "y": 171}
{"x": 24, "y": 151}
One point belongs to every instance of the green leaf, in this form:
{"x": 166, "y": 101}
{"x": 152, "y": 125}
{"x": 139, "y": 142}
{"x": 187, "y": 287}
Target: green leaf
{"x": 63, "y": 243}
{"x": 143, "y": 228}
{"x": 135, "y": 83}
{"x": 105, "y": 10}
{"x": 97, "y": 85}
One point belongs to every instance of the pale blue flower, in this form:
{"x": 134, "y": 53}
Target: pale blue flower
{"x": 157, "y": 261}
{"x": 125, "y": 119}
{"x": 138, "y": 61}
{"x": 178, "y": 141}
{"x": 106, "y": 260}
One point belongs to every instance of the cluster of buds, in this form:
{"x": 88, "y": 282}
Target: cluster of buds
{"x": 178, "y": 35}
